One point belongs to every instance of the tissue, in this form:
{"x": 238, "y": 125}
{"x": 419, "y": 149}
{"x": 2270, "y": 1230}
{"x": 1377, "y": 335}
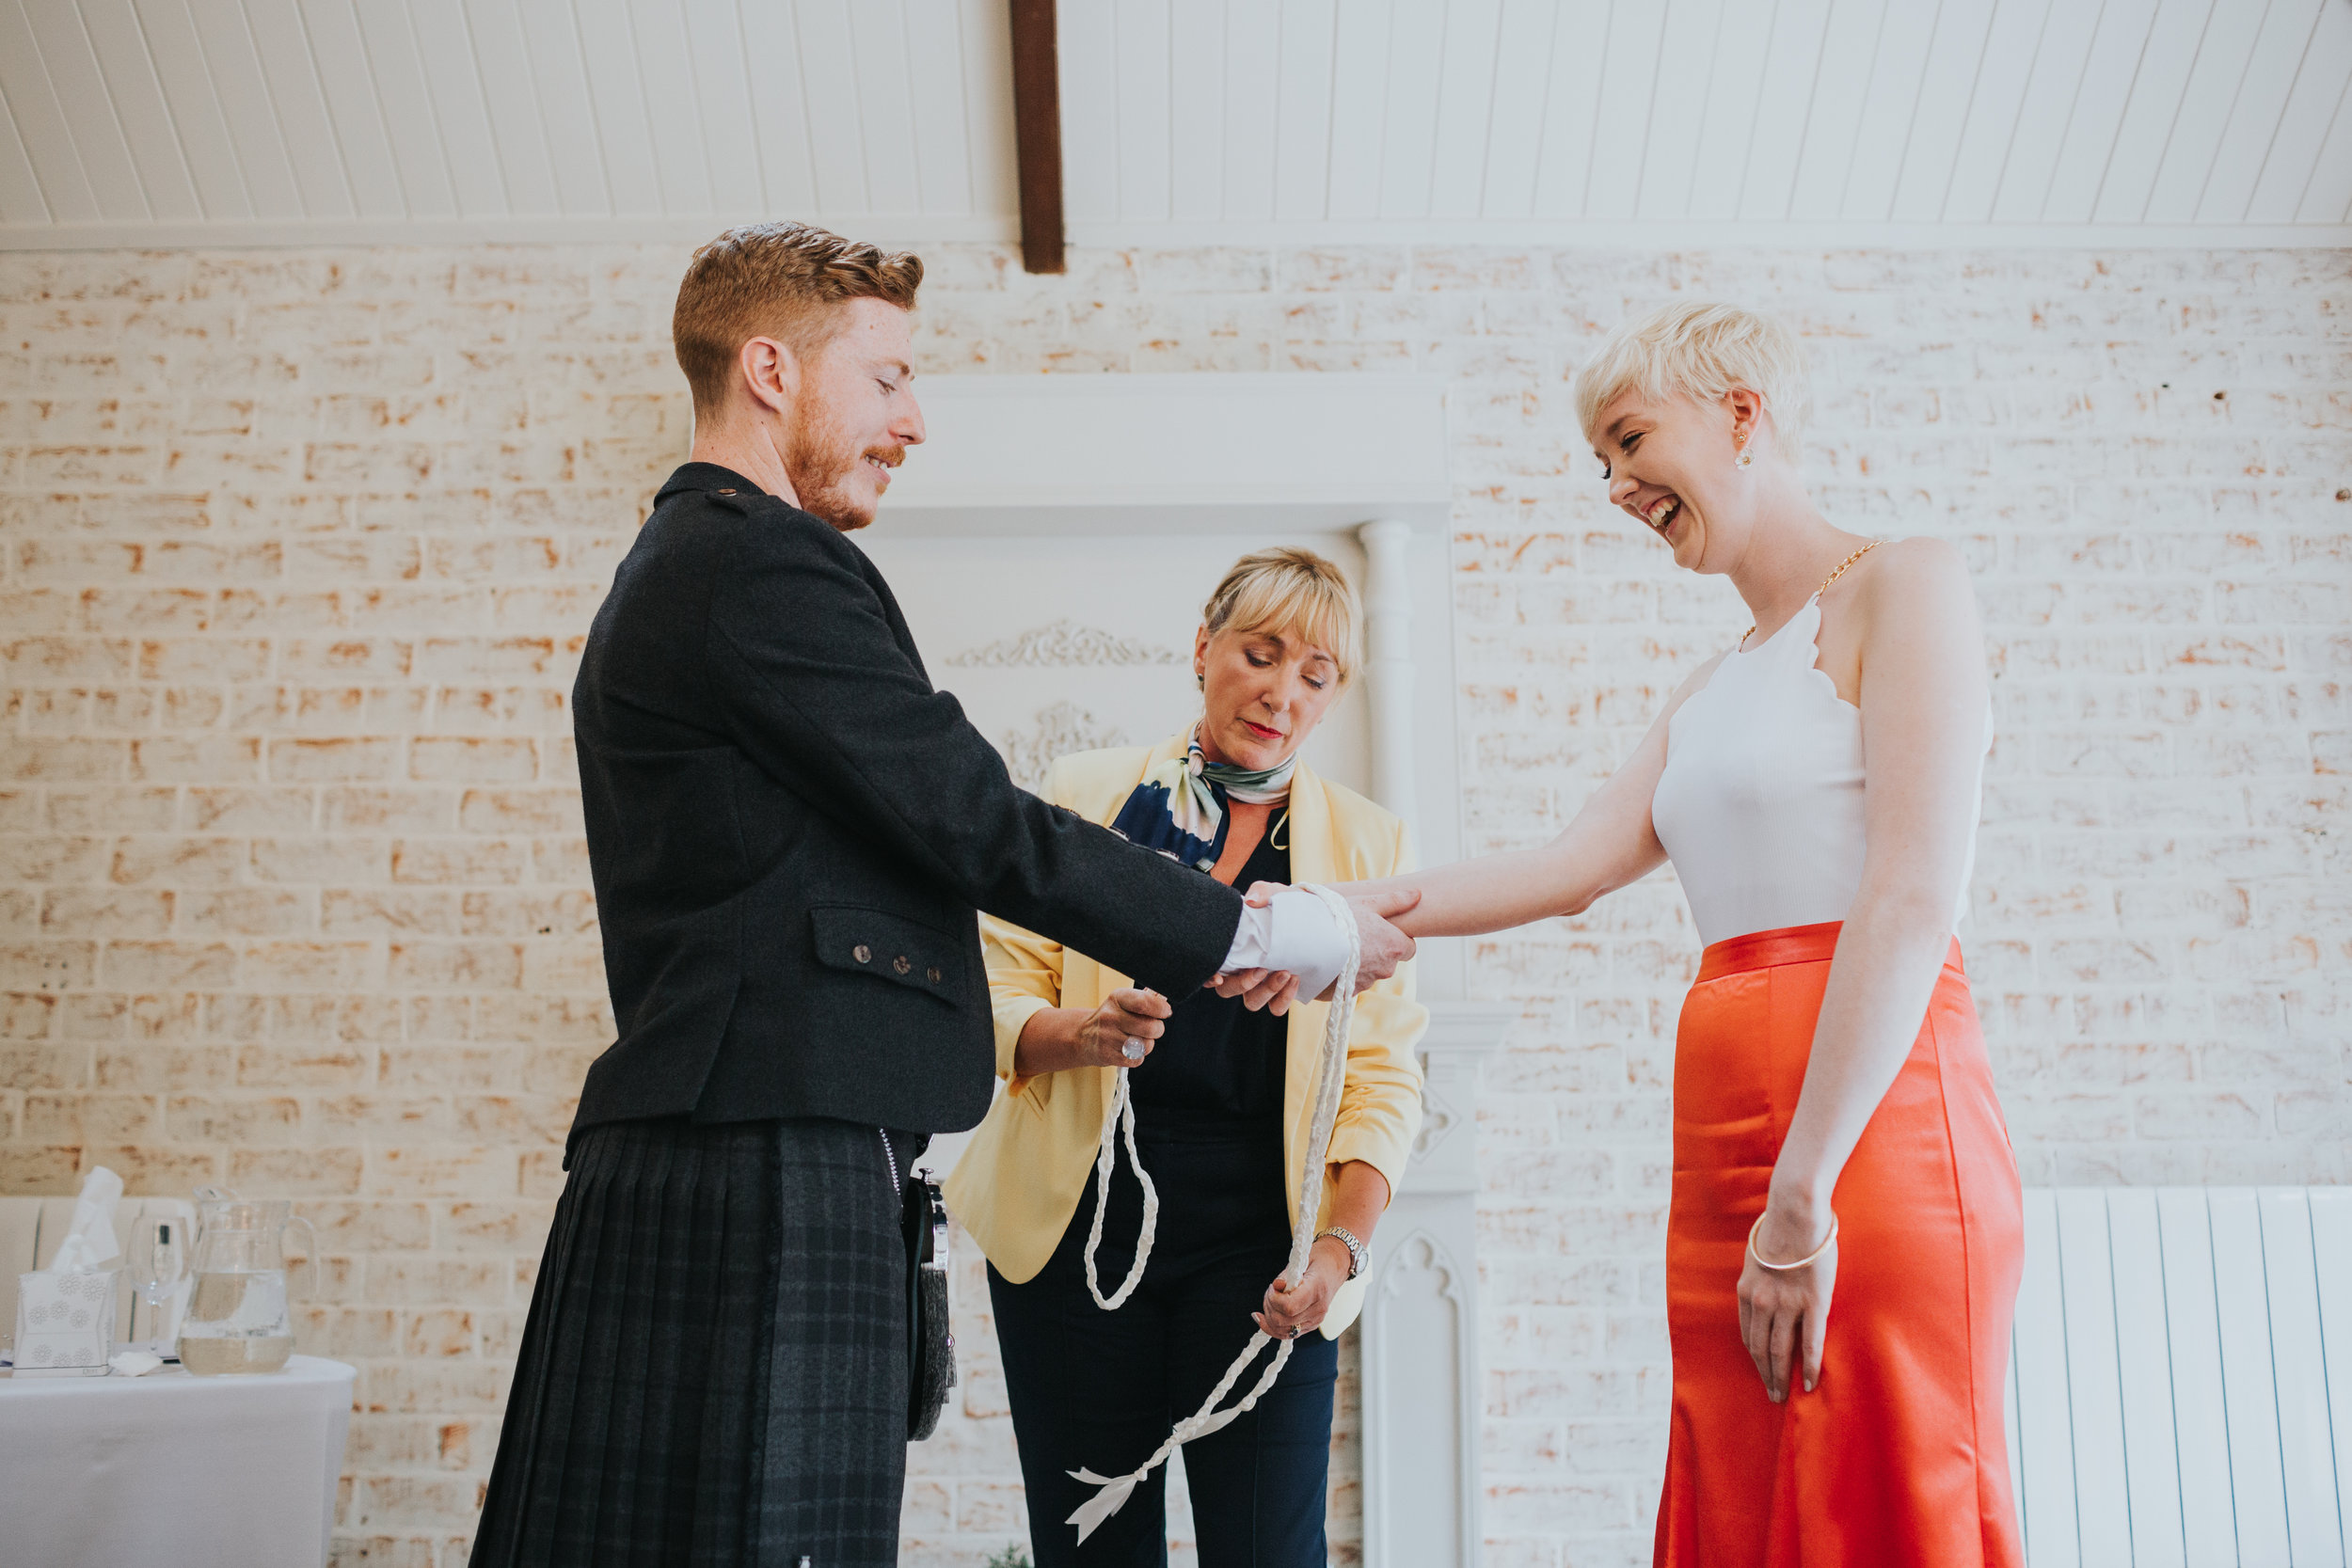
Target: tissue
{"x": 65, "y": 1314}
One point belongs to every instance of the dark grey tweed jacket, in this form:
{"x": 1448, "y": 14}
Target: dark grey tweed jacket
{"x": 790, "y": 829}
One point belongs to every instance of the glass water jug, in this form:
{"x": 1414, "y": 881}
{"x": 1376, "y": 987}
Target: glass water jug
{"x": 236, "y": 1320}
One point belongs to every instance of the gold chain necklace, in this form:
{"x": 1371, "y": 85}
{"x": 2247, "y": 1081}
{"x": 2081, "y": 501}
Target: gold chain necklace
{"x": 1823, "y": 589}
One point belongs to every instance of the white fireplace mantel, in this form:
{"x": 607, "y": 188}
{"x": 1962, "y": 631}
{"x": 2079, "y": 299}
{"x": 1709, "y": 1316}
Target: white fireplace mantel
{"x": 1052, "y": 541}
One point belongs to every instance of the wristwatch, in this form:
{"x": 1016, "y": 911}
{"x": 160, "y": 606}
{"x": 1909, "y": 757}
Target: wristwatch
{"x": 1357, "y": 1254}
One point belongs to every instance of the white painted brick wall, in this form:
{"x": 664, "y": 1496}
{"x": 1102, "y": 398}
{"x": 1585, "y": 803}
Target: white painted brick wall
{"x": 299, "y": 548}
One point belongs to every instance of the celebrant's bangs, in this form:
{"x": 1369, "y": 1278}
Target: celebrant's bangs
{"x": 1285, "y": 592}
{"x": 1700, "y": 351}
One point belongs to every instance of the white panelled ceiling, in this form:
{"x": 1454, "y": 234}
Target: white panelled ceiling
{"x": 1185, "y": 122}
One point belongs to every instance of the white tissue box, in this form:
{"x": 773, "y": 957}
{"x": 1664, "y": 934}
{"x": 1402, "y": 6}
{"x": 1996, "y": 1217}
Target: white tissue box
{"x": 64, "y": 1323}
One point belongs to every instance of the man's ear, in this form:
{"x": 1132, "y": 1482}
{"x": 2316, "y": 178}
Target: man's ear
{"x": 771, "y": 374}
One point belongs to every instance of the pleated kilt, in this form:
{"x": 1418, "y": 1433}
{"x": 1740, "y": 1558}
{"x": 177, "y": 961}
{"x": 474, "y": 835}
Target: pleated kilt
{"x": 713, "y": 1372}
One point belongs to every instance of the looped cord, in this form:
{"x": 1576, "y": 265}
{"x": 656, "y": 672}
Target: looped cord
{"x": 1330, "y": 1074}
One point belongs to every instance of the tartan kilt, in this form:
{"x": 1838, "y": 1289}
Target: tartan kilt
{"x": 713, "y": 1372}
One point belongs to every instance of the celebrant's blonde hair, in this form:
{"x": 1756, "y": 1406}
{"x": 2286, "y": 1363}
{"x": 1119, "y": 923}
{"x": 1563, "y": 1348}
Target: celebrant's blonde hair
{"x": 1286, "y": 590}
{"x": 1701, "y": 351}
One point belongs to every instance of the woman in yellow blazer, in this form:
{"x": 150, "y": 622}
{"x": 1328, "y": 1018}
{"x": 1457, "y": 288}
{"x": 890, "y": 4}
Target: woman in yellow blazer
{"x": 1222, "y": 1098}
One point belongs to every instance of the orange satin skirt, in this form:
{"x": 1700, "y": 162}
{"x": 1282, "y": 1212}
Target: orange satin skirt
{"x": 1898, "y": 1456}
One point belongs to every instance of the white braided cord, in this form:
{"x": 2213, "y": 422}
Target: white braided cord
{"x": 1331, "y": 1073}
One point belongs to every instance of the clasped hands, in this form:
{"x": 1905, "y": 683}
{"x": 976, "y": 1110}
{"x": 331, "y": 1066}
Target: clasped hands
{"x": 1382, "y": 948}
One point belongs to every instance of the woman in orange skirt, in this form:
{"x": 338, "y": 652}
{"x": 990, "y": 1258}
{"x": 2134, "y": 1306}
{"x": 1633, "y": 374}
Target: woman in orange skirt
{"x": 1843, "y": 1248}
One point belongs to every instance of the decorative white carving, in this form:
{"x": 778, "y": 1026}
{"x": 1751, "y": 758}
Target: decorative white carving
{"x": 1421, "y": 1412}
{"x": 1066, "y": 644}
{"x": 1437, "y": 1119}
{"x": 1061, "y": 728}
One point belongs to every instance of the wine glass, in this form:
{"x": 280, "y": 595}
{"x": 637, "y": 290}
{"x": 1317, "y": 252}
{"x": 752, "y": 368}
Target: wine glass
{"x": 157, "y": 1262}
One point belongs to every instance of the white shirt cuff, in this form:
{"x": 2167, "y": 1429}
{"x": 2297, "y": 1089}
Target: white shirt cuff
{"x": 1297, "y": 932}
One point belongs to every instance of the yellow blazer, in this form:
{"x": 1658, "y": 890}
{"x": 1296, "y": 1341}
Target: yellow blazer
{"x": 1027, "y": 1167}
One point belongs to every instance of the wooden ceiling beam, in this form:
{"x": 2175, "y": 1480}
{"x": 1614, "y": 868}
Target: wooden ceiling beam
{"x": 1036, "y": 134}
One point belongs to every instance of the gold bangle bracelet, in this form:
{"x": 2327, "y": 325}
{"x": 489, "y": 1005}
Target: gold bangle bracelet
{"x": 1802, "y": 1262}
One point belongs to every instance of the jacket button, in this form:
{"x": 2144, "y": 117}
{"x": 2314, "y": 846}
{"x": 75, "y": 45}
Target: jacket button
{"x": 901, "y": 964}
{"x": 861, "y": 953}
{"x": 931, "y": 974}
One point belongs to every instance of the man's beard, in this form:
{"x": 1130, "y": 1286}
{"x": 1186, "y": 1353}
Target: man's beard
{"x": 819, "y": 459}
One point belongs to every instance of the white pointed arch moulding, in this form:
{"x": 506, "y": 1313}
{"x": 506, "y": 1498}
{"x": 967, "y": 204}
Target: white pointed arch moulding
{"x": 1052, "y": 543}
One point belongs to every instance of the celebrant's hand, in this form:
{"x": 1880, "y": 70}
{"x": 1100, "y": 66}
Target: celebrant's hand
{"x": 1293, "y": 1313}
{"x": 1784, "y": 1313}
{"x": 1128, "y": 1017}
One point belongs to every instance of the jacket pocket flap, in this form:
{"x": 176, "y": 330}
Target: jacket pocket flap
{"x": 891, "y": 946}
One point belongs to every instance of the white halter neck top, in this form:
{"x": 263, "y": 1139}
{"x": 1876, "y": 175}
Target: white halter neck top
{"x": 1760, "y": 803}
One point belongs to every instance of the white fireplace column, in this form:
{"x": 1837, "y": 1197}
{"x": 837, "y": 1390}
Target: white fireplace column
{"x": 1390, "y": 676}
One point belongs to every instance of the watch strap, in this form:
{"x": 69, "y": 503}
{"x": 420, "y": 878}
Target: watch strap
{"x": 1358, "y": 1256}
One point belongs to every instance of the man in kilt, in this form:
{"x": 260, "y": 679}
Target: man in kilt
{"x": 791, "y": 831}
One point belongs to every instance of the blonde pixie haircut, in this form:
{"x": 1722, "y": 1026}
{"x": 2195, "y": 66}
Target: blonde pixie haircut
{"x": 1289, "y": 590}
{"x": 1701, "y": 351}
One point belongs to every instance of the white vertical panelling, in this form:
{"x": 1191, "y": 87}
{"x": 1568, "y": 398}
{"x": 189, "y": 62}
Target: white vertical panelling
{"x": 942, "y": 165}
{"x": 2116, "y": 47}
{"x": 2162, "y": 75}
{"x": 2329, "y": 198}
{"x": 89, "y": 116}
{"x": 330, "y": 163}
{"x": 1994, "y": 105}
{"x": 2311, "y": 107}
{"x": 885, "y": 106}
{"x": 2248, "y": 1377}
{"x": 2051, "y": 90}
{"x": 1514, "y": 127}
{"x": 20, "y": 188}
{"x": 245, "y": 99}
{"x": 772, "y": 59}
{"x": 1303, "y": 113}
{"x": 559, "y": 71}
{"x": 1465, "y": 107}
{"x": 194, "y": 108}
{"x": 2331, "y": 1244}
{"x": 1687, "y": 57}
{"x": 1564, "y": 165}
{"x": 1195, "y": 110}
{"x": 452, "y": 79}
{"x": 40, "y": 120}
{"x": 2306, "y": 1448}
{"x": 1881, "y": 141}
{"x": 393, "y": 62}
{"x": 2151, "y": 1453}
{"x": 1794, "y": 56}
{"x": 518, "y": 124}
{"x": 1088, "y": 59}
{"x": 1955, "y": 54}
{"x": 2224, "y": 46}
{"x": 2199, "y": 1425}
{"x": 130, "y": 82}
{"x": 2094, "y": 1393}
{"x": 1253, "y": 67}
{"x": 1408, "y": 126}
{"x": 617, "y": 96}
{"x": 1142, "y": 107}
{"x": 1727, "y": 124}
{"x": 2279, "y": 48}
{"x": 1628, "y": 80}
{"x": 987, "y": 137}
{"x": 2044, "y": 1427}
{"x": 673, "y": 114}
{"x": 1847, "y": 57}
{"x": 1358, "y": 104}
{"x": 721, "y": 68}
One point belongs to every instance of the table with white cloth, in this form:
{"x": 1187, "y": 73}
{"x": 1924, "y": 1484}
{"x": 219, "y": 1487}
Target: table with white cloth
{"x": 193, "y": 1472}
